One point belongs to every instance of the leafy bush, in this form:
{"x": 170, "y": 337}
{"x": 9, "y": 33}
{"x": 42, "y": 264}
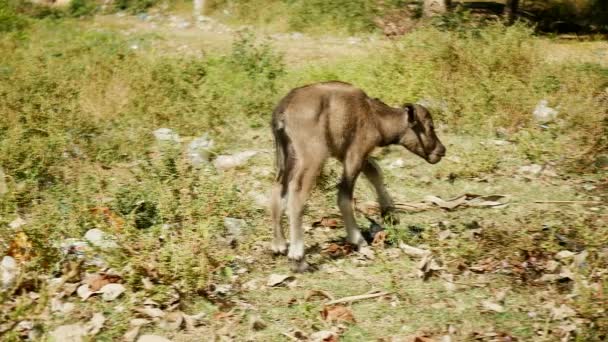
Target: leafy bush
{"x": 134, "y": 6}
{"x": 10, "y": 20}
{"x": 316, "y": 16}
{"x": 80, "y": 8}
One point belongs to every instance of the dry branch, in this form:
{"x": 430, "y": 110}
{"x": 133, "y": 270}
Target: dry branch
{"x": 351, "y": 299}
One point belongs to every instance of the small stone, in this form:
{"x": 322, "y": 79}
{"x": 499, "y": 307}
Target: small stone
{"x": 562, "y": 255}
{"x": 397, "y": 163}
{"x": 234, "y": 226}
{"x": 533, "y": 169}
{"x": 99, "y": 239}
{"x": 256, "y": 323}
{"x": 543, "y": 113}
{"x": 16, "y": 223}
{"x": 324, "y": 335}
{"x": 166, "y": 134}
{"x": 225, "y": 162}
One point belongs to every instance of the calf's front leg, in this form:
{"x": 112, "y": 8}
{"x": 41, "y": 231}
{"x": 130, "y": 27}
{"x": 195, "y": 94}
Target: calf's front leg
{"x": 373, "y": 173}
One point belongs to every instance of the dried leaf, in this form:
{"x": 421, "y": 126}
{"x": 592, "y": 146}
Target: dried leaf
{"x": 95, "y": 324}
{"x": 324, "y": 336}
{"x": 562, "y": 312}
{"x": 251, "y": 285}
{"x": 114, "y": 220}
{"x": 335, "y": 250}
{"x": 99, "y": 280}
{"x": 111, "y": 291}
{"x": 428, "y": 266}
{"x": 278, "y": 279}
{"x": 21, "y": 248}
{"x": 318, "y": 293}
{"x": 326, "y": 222}
{"x": 562, "y": 255}
{"x": 338, "y": 313}
{"x": 152, "y": 338}
{"x": 491, "y": 306}
{"x": 131, "y": 334}
{"x": 192, "y": 321}
{"x": 172, "y": 321}
{"x": 223, "y": 315}
{"x": 380, "y": 238}
{"x": 444, "y": 234}
{"x": 367, "y": 252}
{"x": 150, "y": 311}
{"x": 84, "y": 292}
{"x": 69, "y": 333}
{"x": 449, "y": 204}
{"x": 256, "y": 323}
{"x": 413, "y": 251}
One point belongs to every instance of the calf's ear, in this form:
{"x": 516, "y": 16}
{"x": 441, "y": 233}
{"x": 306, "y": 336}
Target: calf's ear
{"x": 410, "y": 114}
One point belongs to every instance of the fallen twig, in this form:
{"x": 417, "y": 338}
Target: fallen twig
{"x": 571, "y": 202}
{"x": 351, "y": 299}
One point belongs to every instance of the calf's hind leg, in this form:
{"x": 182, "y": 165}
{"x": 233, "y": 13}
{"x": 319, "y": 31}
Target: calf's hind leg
{"x": 303, "y": 180}
{"x": 279, "y": 245}
{"x": 352, "y": 168}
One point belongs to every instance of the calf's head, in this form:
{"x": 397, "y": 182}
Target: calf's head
{"x": 419, "y": 136}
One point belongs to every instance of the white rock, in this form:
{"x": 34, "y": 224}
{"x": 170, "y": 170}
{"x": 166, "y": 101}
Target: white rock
{"x": 543, "y": 113}
{"x": 16, "y": 223}
{"x": 225, "y": 162}
{"x": 564, "y": 255}
{"x": 166, "y": 134}
{"x": 111, "y": 291}
{"x": 397, "y": 163}
{"x": 199, "y": 150}
{"x": 261, "y": 200}
{"x": 8, "y": 271}
{"x": 234, "y": 226}
{"x": 152, "y": 338}
{"x": 3, "y": 186}
{"x": 99, "y": 239}
{"x": 533, "y": 169}
{"x": 324, "y": 335}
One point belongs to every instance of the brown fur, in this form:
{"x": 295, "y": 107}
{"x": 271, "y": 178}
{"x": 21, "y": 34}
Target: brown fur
{"x": 336, "y": 119}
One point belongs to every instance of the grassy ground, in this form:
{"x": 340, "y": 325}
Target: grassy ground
{"x": 82, "y": 97}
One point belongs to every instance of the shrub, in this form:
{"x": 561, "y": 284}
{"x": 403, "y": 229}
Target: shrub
{"x": 10, "y": 20}
{"x": 80, "y": 8}
{"x": 134, "y": 6}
